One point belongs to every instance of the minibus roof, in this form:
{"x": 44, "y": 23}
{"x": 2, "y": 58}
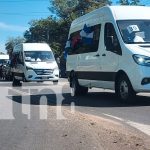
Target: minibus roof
{"x": 115, "y": 13}
{"x": 130, "y": 12}
{"x": 36, "y": 47}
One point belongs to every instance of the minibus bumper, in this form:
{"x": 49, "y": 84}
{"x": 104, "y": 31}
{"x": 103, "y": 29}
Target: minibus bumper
{"x": 31, "y": 75}
{"x": 141, "y": 79}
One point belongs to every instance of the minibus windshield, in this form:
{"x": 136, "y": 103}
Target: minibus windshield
{"x": 38, "y": 56}
{"x": 135, "y": 31}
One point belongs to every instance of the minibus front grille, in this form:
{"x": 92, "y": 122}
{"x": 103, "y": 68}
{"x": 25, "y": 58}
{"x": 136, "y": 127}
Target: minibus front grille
{"x": 43, "y": 71}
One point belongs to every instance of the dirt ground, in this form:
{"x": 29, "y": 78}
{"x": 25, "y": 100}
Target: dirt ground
{"x": 88, "y": 132}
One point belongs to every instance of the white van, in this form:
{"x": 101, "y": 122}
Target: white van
{"x": 110, "y": 48}
{"x": 33, "y": 62}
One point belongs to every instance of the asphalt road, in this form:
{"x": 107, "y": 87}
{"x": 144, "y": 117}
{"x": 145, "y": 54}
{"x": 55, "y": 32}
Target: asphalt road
{"x": 24, "y": 109}
{"x": 101, "y": 102}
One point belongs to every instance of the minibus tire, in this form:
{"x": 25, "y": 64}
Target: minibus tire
{"x": 76, "y": 89}
{"x": 124, "y": 89}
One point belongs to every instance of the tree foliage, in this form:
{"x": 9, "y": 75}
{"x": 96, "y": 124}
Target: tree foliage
{"x": 68, "y": 9}
{"x": 52, "y": 31}
{"x": 129, "y": 2}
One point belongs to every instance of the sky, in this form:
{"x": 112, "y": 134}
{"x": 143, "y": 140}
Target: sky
{"x": 15, "y": 16}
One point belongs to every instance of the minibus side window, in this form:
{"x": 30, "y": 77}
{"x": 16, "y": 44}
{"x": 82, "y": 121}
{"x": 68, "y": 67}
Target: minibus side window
{"x": 91, "y": 45}
{"x": 75, "y": 43}
{"x": 111, "y": 40}
{"x": 87, "y": 44}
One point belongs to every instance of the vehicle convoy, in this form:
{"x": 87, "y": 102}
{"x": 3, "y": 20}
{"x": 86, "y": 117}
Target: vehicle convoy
{"x": 33, "y": 62}
{"x": 110, "y": 48}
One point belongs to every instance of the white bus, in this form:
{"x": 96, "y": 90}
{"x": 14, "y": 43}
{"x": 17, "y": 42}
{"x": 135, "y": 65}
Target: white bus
{"x": 33, "y": 62}
{"x": 110, "y": 48}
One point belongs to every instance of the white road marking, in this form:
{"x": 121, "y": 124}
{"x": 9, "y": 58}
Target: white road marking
{"x": 142, "y": 127}
{"x": 120, "y": 119}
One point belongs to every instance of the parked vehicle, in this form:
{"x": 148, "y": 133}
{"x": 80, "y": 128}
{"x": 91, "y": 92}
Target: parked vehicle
{"x": 33, "y": 62}
{"x": 110, "y": 48}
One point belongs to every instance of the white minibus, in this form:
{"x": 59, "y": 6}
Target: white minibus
{"x": 110, "y": 48}
{"x": 33, "y": 62}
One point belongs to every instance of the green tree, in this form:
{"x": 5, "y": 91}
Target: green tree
{"x": 135, "y": 2}
{"x": 124, "y": 2}
{"x": 68, "y": 9}
{"x": 52, "y": 31}
{"x": 129, "y": 2}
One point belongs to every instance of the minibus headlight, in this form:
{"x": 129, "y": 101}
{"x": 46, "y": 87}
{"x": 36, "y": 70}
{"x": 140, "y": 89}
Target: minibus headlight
{"x": 142, "y": 60}
{"x": 56, "y": 70}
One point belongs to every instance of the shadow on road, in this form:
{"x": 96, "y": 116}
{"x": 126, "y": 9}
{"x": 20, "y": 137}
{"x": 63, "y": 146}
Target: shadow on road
{"x": 92, "y": 99}
{"x": 4, "y": 83}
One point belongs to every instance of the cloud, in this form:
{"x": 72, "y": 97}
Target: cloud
{"x": 16, "y": 28}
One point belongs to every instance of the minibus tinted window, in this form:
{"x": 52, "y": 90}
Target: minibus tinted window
{"x": 38, "y": 56}
{"x": 134, "y": 31}
{"x": 82, "y": 42}
{"x": 111, "y": 40}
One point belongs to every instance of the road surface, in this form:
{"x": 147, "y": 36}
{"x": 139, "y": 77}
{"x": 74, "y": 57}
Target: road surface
{"x": 45, "y": 116}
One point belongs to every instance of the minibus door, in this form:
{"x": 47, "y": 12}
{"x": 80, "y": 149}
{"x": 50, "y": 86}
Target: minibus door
{"x": 110, "y": 53}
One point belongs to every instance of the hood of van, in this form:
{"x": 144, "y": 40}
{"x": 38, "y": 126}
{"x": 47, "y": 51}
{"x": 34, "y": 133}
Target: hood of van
{"x": 42, "y": 65}
{"x": 140, "y": 49}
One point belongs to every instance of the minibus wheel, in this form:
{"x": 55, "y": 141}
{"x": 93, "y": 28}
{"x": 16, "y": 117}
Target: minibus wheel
{"x": 124, "y": 89}
{"x": 76, "y": 89}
